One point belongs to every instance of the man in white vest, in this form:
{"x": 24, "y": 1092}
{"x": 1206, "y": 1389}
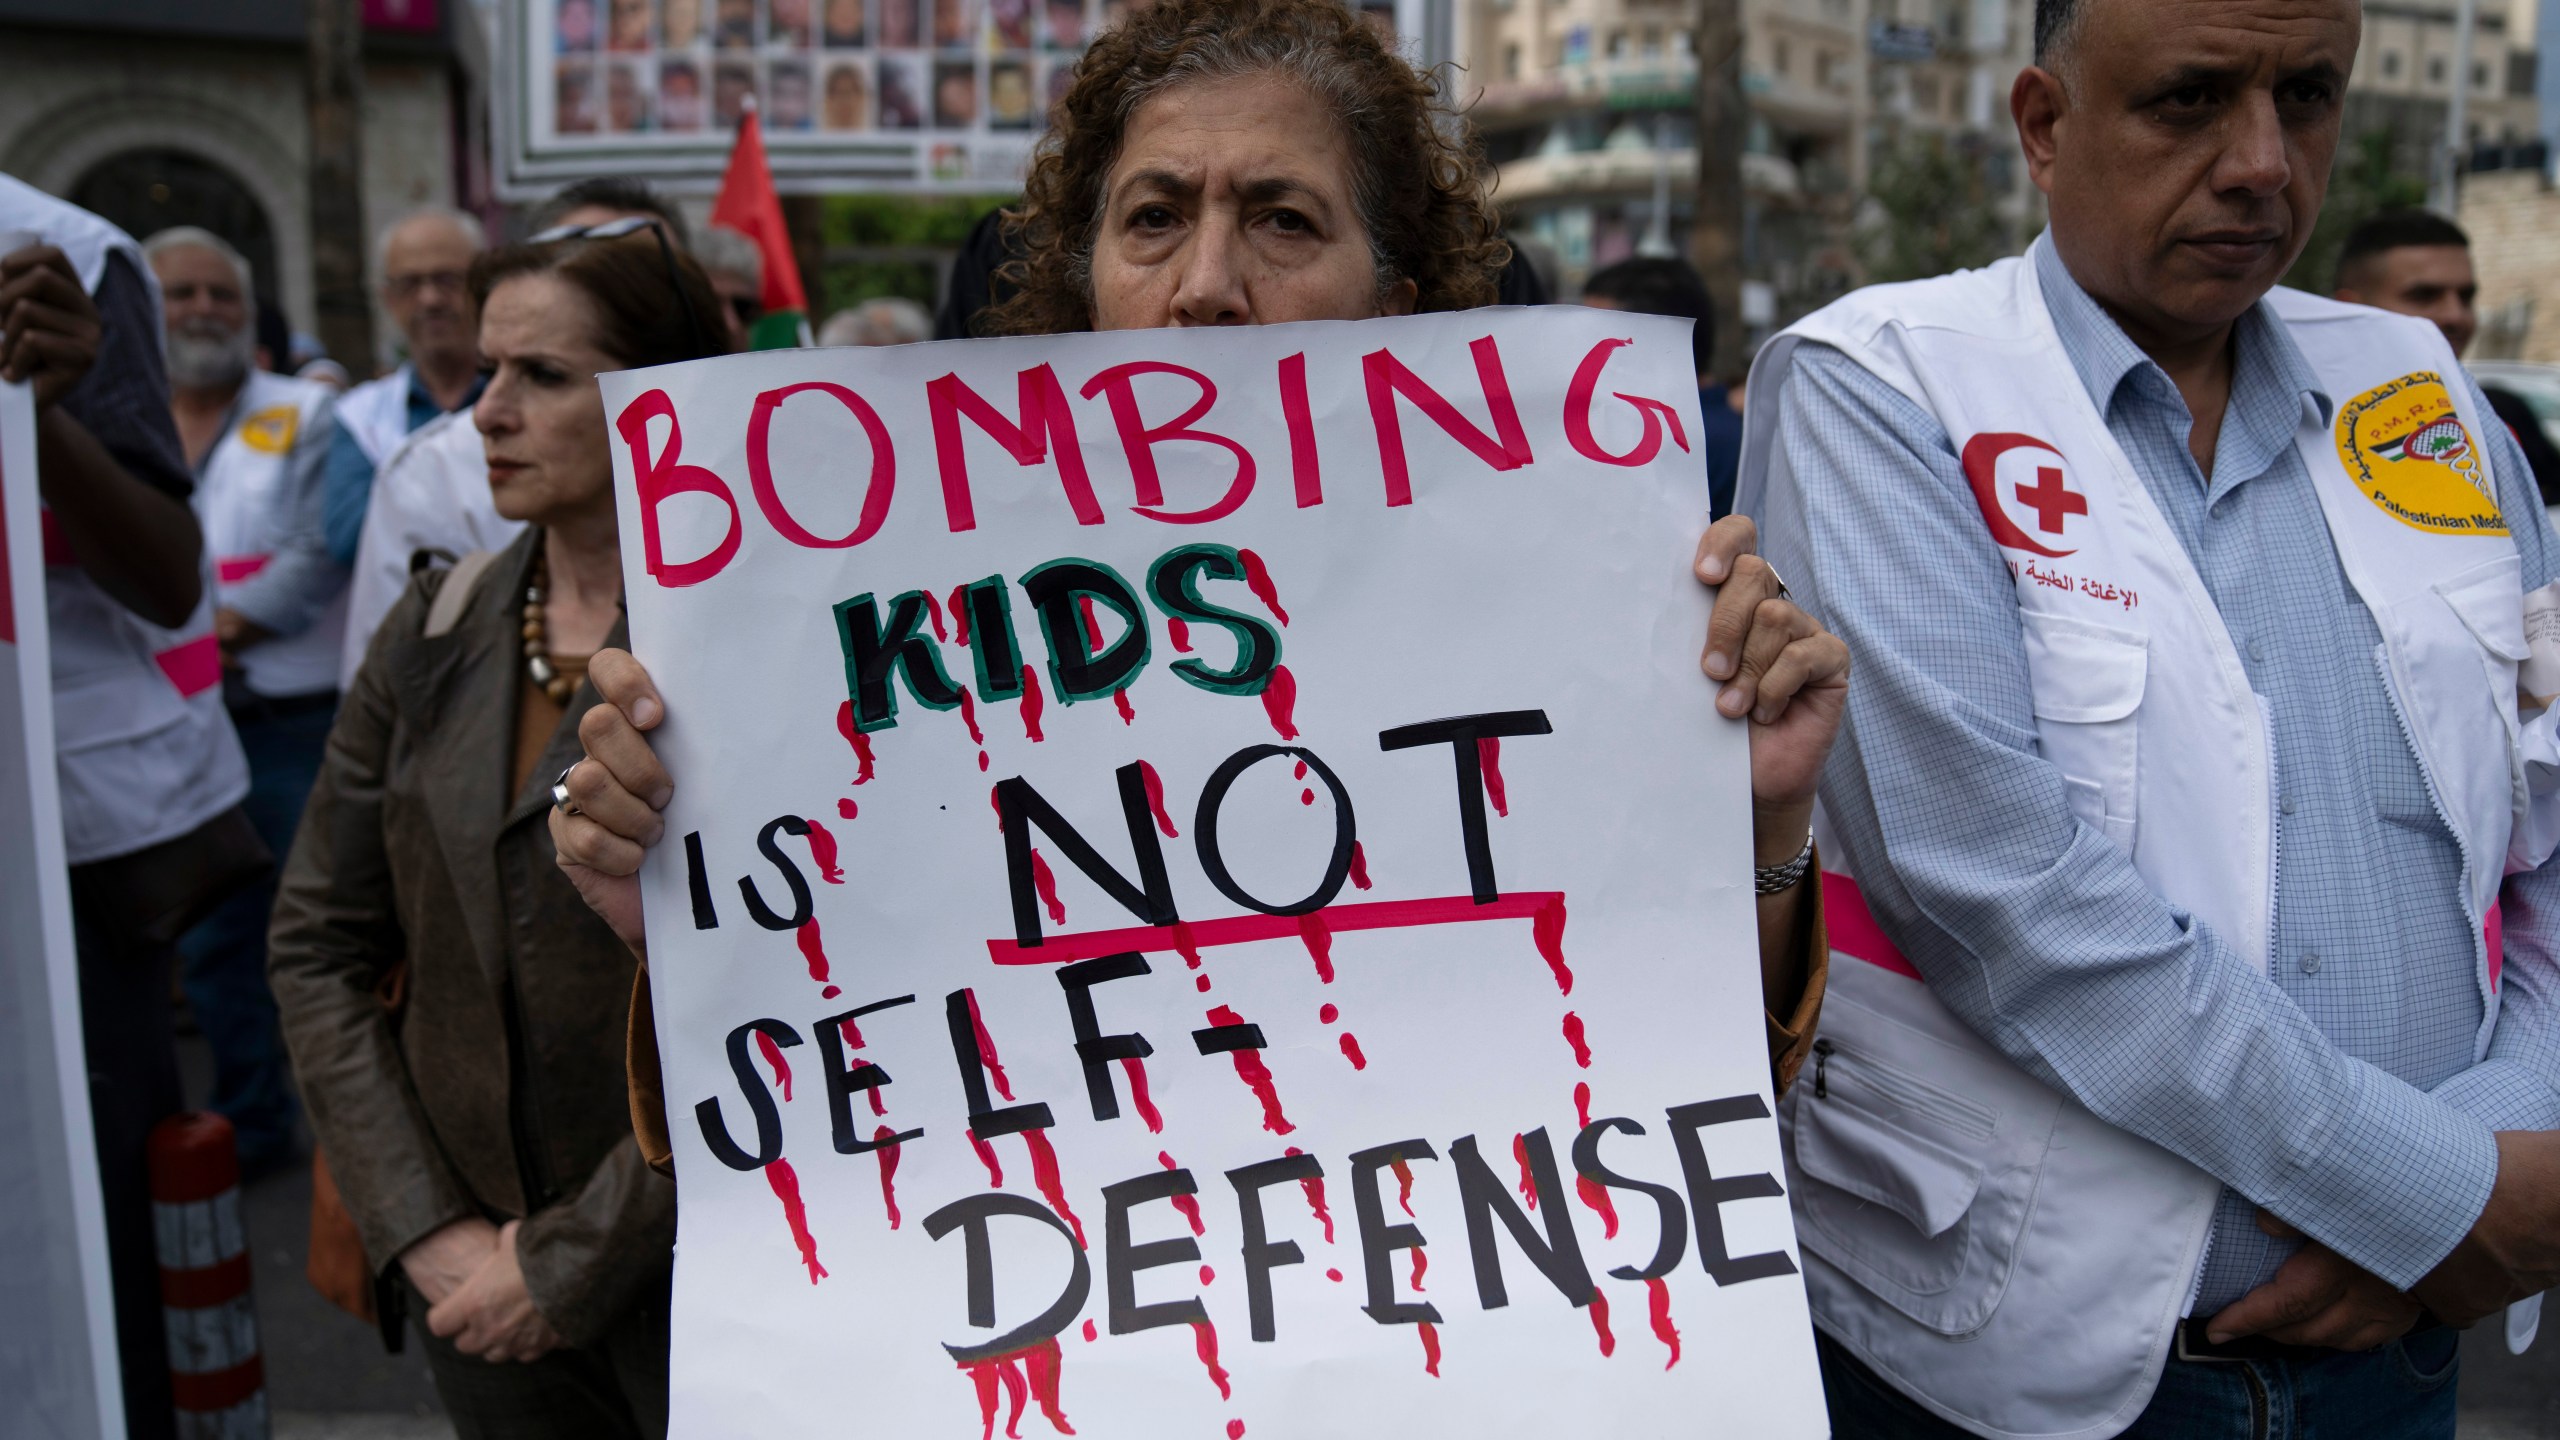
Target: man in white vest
{"x": 2193, "y": 1004}
{"x": 151, "y": 773}
{"x": 424, "y": 261}
{"x": 256, "y": 441}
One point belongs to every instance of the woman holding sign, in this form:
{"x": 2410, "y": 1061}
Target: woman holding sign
{"x": 455, "y": 1014}
{"x": 1243, "y": 162}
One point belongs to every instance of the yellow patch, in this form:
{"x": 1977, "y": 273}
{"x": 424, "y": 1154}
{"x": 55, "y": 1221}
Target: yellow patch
{"x": 270, "y": 432}
{"x": 2411, "y": 455}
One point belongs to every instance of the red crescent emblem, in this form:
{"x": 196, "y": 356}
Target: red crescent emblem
{"x": 2051, "y": 498}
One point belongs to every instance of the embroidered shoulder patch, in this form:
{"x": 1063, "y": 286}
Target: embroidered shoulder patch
{"x": 271, "y": 431}
{"x": 2409, "y": 452}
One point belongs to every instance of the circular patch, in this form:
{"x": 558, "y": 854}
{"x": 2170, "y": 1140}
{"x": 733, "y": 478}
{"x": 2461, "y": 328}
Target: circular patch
{"x": 271, "y": 430}
{"x": 2409, "y": 452}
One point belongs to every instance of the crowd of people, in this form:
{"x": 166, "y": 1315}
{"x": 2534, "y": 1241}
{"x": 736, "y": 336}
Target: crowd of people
{"x": 2232, "y": 908}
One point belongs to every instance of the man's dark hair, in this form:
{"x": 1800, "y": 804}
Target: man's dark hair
{"x": 2054, "y": 19}
{"x": 1661, "y": 287}
{"x": 615, "y": 192}
{"x": 2391, "y": 230}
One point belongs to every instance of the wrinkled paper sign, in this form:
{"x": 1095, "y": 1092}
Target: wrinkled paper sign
{"x": 1206, "y": 893}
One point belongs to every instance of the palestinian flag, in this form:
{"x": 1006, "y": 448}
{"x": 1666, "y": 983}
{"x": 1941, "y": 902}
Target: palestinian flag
{"x": 748, "y": 205}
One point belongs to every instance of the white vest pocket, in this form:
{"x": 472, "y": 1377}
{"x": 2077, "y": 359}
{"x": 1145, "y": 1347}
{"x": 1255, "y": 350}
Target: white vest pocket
{"x": 1917, "y": 1190}
{"x": 2087, "y": 681}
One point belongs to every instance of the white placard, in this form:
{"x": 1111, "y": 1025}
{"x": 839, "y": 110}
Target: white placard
{"x": 58, "y": 1371}
{"x": 1328, "y": 720}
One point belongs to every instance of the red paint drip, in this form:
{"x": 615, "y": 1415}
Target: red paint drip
{"x": 781, "y": 1067}
{"x": 1659, "y": 1303}
{"x": 933, "y": 612}
{"x": 1334, "y": 1275}
{"x": 1188, "y": 1205}
{"x": 1235, "y": 1430}
{"x": 1154, "y": 784}
{"x": 1430, "y": 1348}
{"x": 1596, "y": 1196}
{"x": 1044, "y": 1173}
{"x": 848, "y": 810}
{"x": 1359, "y": 865}
{"x": 1257, "y": 578}
{"x": 1136, "y": 1070}
{"x": 1319, "y": 943}
{"x": 1032, "y": 703}
{"x": 1573, "y": 1037}
{"x": 852, "y": 1033}
{"x": 1528, "y": 1182}
{"x": 987, "y": 1157}
{"x": 1200, "y": 983}
{"x": 1280, "y": 701}
{"x": 995, "y": 802}
{"x": 1255, "y": 1074}
{"x": 1404, "y": 1184}
{"x": 878, "y": 1105}
{"x": 1314, "y": 1186}
{"x": 1328, "y": 1012}
{"x": 860, "y": 742}
{"x": 1043, "y": 1363}
{"x": 1489, "y": 757}
{"x": 987, "y": 1049}
{"x": 1047, "y": 885}
{"x": 813, "y": 950}
{"x": 888, "y": 1172}
{"x": 822, "y": 848}
{"x": 1599, "y": 1308}
{"x": 1299, "y": 771}
{"x": 1092, "y": 625}
{"x": 1090, "y": 1333}
{"x": 1306, "y": 797}
{"x": 1184, "y": 945}
{"x": 1208, "y": 1276}
{"x": 1351, "y": 1051}
{"x": 1180, "y": 632}
{"x": 1421, "y": 1263}
{"x": 1120, "y": 698}
{"x": 786, "y": 1188}
{"x": 982, "y": 762}
{"x": 1204, "y": 1339}
{"x": 960, "y": 614}
{"x": 1581, "y": 1106}
{"x": 1547, "y": 929}
{"x": 969, "y": 716}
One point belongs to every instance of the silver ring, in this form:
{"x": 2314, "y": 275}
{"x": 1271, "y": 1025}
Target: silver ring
{"x": 560, "y": 800}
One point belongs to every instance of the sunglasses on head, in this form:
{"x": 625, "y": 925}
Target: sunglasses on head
{"x": 632, "y": 225}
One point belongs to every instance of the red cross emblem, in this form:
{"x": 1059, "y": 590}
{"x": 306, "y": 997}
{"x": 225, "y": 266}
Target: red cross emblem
{"x": 2049, "y": 503}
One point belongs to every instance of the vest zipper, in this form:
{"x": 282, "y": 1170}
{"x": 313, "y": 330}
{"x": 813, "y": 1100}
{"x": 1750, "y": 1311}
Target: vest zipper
{"x": 2444, "y": 817}
{"x": 1821, "y": 1064}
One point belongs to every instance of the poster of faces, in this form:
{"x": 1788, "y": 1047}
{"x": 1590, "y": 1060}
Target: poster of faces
{"x": 657, "y": 86}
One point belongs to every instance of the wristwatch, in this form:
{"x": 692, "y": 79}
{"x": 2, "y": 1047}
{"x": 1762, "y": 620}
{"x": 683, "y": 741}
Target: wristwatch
{"x": 1778, "y": 879}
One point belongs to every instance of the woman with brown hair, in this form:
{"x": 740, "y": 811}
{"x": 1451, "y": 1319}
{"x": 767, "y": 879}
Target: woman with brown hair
{"x": 478, "y": 1125}
{"x": 1243, "y": 162}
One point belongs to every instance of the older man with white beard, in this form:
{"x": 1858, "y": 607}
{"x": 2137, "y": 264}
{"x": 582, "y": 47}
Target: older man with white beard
{"x": 257, "y": 443}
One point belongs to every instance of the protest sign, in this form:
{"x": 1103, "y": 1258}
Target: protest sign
{"x": 1205, "y": 892}
{"x": 57, "y": 1321}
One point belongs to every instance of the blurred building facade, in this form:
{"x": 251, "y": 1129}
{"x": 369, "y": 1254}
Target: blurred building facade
{"x": 167, "y": 112}
{"x": 1583, "y": 103}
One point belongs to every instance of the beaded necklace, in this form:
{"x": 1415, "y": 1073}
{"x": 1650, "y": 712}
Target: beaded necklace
{"x": 537, "y": 643}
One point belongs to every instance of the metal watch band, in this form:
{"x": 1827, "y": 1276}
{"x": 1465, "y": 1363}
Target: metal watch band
{"x": 1777, "y": 879}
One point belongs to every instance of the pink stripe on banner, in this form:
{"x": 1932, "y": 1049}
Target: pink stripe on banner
{"x": 2494, "y": 930}
{"x": 57, "y": 546}
{"x": 1853, "y": 927}
{"x": 193, "y": 667}
{"x": 232, "y": 569}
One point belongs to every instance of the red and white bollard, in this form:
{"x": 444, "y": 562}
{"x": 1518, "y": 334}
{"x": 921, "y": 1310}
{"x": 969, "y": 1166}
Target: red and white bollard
{"x": 215, "y": 1374}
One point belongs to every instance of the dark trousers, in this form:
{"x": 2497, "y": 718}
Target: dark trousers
{"x": 2403, "y": 1391}
{"x": 615, "y": 1389}
{"x": 226, "y": 954}
{"x": 133, "y": 1085}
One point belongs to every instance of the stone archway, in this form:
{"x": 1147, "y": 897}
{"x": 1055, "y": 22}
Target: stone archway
{"x": 146, "y": 191}
{"x": 60, "y": 147}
